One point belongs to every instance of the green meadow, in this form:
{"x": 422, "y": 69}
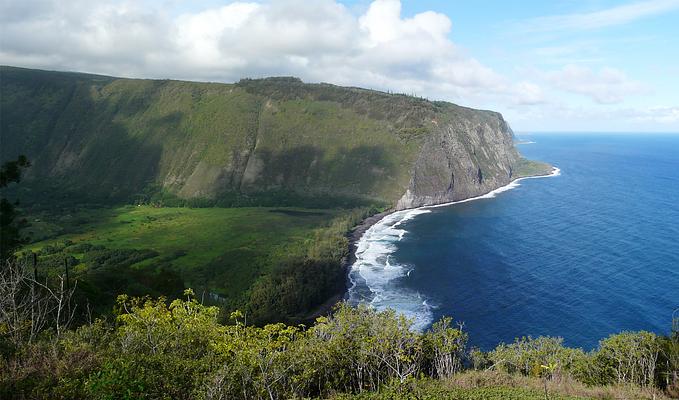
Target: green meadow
{"x": 203, "y": 234}
{"x": 219, "y": 252}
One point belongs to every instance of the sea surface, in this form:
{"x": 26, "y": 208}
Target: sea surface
{"x": 591, "y": 251}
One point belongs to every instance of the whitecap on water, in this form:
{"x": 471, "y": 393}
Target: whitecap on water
{"x": 376, "y": 271}
{"x": 375, "y": 275}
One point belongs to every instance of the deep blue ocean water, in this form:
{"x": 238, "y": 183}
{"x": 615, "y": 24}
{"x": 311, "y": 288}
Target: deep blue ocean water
{"x": 591, "y": 252}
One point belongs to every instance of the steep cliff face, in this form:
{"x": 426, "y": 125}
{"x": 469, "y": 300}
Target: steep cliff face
{"x": 468, "y": 155}
{"x": 275, "y": 141}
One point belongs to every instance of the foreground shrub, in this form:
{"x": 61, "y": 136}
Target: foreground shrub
{"x": 529, "y": 356}
{"x": 445, "y": 348}
{"x": 628, "y": 357}
{"x": 156, "y": 350}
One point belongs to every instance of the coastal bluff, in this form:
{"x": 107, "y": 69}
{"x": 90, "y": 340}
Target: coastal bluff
{"x": 257, "y": 142}
{"x": 469, "y": 153}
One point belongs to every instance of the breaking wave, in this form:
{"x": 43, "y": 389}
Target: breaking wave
{"x": 375, "y": 277}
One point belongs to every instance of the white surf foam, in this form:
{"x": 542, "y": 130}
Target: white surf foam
{"x": 376, "y": 270}
{"x": 375, "y": 276}
{"x": 511, "y": 185}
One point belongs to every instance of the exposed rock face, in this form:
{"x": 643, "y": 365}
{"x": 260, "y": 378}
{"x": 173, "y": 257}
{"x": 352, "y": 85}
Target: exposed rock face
{"x": 466, "y": 157}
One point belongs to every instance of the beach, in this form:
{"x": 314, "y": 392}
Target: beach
{"x": 373, "y": 276}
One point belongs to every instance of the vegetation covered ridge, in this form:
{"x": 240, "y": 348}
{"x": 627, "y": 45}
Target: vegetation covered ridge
{"x": 155, "y": 350}
{"x": 262, "y": 142}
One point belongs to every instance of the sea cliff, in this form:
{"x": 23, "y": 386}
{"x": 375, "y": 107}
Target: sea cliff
{"x": 274, "y": 141}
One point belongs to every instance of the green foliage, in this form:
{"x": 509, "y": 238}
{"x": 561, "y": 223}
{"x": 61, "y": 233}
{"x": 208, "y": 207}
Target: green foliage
{"x": 668, "y": 364}
{"x": 293, "y": 289}
{"x": 628, "y": 357}
{"x": 159, "y": 351}
{"x": 156, "y": 350}
{"x": 637, "y": 358}
{"x": 527, "y": 355}
{"x": 10, "y": 171}
{"x": 445, "y": 348}
{"x": 432, "y": 390}
{"x": 55, "y": 368}
{"x": 527, "y": 167}
{"x": 278, "y": 264}
{"x": 274, "y": 142}
{"x": 360, "y": 349}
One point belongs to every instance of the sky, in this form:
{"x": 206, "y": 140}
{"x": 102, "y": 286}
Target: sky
{"x": 562, "y": 65}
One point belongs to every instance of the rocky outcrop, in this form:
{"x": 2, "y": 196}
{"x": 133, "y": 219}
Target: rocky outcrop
{"x": 469, "y": 155}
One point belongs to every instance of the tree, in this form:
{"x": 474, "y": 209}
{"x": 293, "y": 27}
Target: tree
{"x": 28, "y": 307}
{"x": 445, "y": 347}
{"x": 629, "y": 357}
{"x": 10, "y": 226}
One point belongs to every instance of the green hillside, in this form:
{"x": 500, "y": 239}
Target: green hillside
{"x": 275, "y": 141}
{"x": 110, "y": 155}
{"x": 272, "y": 141}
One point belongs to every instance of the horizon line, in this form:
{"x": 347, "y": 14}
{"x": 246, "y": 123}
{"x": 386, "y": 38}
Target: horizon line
{"x": 525, "y": 132}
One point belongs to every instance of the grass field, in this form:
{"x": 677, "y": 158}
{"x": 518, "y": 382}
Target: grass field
{"x": 203, "y": 233}
{"x": 222, "y": 251}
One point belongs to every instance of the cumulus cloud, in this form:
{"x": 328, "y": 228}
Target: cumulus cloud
{"x": 318, "y": 41}
{"x": 606, "y": 86}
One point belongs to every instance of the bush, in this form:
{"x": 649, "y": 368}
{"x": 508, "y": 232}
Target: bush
{"x": 445, "y": 348}
{"x": 360, "y": 349}
{"x": 157, "y": 350}
{"x": 668, "y": 365}
{"x": 528, "y": 356}
{"x": 628, "y": 357}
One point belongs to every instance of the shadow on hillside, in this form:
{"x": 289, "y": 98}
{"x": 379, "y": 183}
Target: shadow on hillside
{"x": 358, "y": 172}
{"x": 96, "y": 148}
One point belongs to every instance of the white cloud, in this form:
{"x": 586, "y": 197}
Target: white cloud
{"x": 600, "y": 19}
{"x": 572, "y": 118}
{"x": 607, "y": 86}
{"x": 317, "y": 41}
{"x": 320, "y": 40}
{"x": 528, "y": 93}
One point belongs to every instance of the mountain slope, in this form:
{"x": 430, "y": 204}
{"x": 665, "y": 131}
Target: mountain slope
{"x": 274, "y": 141}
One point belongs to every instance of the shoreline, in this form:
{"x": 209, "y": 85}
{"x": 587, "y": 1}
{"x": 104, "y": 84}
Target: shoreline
{"x": 357, "y": 233}
{"x": 354, "y": 235}
{"x": 511, "y": 185}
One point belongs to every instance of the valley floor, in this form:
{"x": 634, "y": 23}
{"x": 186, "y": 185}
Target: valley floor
{"x": 220, "y": 252}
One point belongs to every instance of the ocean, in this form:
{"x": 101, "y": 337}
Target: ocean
{"x": 591, "y": 251}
